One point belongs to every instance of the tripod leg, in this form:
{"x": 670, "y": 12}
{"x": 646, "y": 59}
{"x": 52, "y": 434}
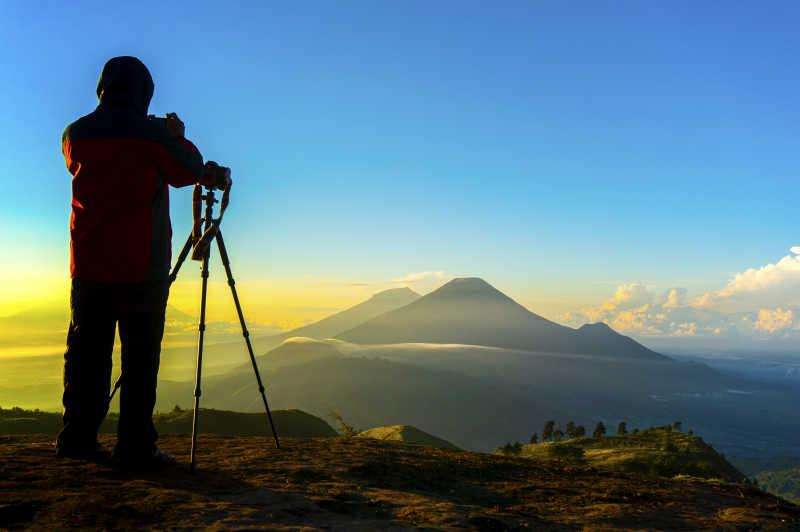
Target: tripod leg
{"x": 199, "y": 369}
{"x": 223, "y": 253}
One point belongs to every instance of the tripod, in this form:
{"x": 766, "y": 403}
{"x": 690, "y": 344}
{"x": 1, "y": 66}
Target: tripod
{"x": 202, "y": 252}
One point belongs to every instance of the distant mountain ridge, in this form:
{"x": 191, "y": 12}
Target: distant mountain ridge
{"x": 471, "y": 311}
{"x": 379, "y": 303}
{"x": 290, "y": 423}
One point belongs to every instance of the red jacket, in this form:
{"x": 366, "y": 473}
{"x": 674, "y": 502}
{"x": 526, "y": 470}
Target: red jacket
{"x": 122, "y": 164}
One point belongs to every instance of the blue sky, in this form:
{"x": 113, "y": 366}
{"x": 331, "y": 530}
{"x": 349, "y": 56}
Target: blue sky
{"x": 557, "y": 149}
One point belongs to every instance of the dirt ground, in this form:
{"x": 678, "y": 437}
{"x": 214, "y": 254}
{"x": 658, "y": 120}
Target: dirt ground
{"x": 361, "y": 484}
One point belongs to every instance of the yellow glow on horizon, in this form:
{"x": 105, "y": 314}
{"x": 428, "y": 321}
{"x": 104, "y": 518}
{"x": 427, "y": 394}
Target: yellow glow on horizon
{"x": 282, "y": 303}
{"x": 32, "y": 289}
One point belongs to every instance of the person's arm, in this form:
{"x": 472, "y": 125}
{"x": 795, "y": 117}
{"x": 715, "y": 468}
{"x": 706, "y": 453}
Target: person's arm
{"x": 66, "y": 151}
{"x": 180, "y": 161}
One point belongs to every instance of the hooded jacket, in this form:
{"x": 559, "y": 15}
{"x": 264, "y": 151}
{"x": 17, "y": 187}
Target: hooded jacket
{"x": 121, "y": 165}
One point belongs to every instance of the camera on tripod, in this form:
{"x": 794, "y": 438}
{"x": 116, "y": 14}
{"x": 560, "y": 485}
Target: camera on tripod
{"x": 216, "y": 176}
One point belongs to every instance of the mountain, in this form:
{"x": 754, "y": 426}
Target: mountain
{"x": 471, "y": 311}
{"x": 376, "y": 305}
{"x": 379, "y": 303}
{"x": 295, "y": 350}
{"x": 361, "y": 484}
{"x": 406, "y": 434}
{"x": 226, "y": 354}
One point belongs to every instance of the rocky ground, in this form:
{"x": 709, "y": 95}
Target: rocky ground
{"x": 358, "y": 484}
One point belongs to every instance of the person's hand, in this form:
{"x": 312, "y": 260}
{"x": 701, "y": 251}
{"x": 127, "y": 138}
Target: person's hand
{"x": 216, "y": 176}
{"x": 175, "y": 125}
{"x": 224, "y": 182}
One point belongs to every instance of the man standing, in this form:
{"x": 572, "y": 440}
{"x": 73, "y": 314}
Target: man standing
{"x": 121, "y": 163}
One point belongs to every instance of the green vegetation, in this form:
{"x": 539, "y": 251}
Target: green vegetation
{"x": 599, "y": 430}
{"x": 552, "y": 432}
{"x": 661, "y": 451}
{"x": 290, "y": 423}
{"x": 784, "y": 483}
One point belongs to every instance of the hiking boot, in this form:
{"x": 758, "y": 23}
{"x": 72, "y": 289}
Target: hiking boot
{"x": 94, "y": 453}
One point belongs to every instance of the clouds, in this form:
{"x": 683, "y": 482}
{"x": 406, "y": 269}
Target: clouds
{"x": 637, "y": 309}
{"x": 675, "y": 298}
{"x": 768, "y": 286}
{"x": 758, "y": 302}
{"x": 423, "y": 281}
{"x": 773, "y": 321}
{"x": 417, "y": 277}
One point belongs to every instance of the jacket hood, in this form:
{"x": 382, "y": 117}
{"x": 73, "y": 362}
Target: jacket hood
{"x": 126, "y": 82}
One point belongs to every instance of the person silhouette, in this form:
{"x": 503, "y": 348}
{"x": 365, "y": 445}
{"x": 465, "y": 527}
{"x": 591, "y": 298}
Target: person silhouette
{"x": 122, "y": 163}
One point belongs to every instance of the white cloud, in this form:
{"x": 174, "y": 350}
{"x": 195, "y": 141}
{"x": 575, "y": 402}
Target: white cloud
{"x": 756, "y": 302}
{"x": 686, "y": 329}
{"x": 774, "y": 320}
{"x": 636, "y": 309}
{"x": 768, "y": 286}
{"x": 418, "y": 277}
{"x": 627, "y": 297}
{"x": 674, "y": 298}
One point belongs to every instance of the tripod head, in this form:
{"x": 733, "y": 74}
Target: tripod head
{"x": 205, "y": 194}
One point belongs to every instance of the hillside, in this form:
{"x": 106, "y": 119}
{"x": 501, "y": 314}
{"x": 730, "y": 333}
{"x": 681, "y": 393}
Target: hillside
{"x": 406, "y": 434}
{"x": 656, "y": 451}
{"x": 289, "y": 423}
{"x": 784, "y": 483}
{"x": 371, "y": 392}
{"x": 362, "y": 484}
{"x": 471, "y": 311}
{"x": 476, "y": 397}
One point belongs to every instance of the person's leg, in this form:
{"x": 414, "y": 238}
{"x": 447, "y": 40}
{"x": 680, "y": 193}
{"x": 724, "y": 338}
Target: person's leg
{"x": 87, "y": 367}
{"x": 141, "y": 328}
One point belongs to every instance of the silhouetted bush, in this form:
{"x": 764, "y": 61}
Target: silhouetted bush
{"x": 345, "y": 429}
{"x": 599, "y": 430}
{"x": 547, "y": 433}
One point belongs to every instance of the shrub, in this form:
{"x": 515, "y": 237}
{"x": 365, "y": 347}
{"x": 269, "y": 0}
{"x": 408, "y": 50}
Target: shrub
{"x": 599, "y": 430}
{"x": 511, "y": 448}
{"x": 547, "y": 433}
{"x": 345, "y": 429}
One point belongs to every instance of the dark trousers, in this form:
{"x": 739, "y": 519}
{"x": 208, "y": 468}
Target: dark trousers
{"x": 97, "y": 308}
